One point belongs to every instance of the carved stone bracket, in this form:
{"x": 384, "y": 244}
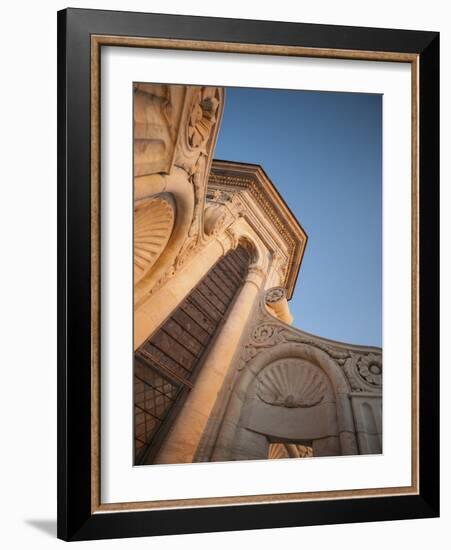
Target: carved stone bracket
{"x": 276, "y": 300}
{"x": 216, "y": 218}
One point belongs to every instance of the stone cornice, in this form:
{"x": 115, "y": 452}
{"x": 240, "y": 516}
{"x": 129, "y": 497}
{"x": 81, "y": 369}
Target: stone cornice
{"x": 251, "y": 177}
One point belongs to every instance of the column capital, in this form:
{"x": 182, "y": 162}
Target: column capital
{"x": 228, "y": 240}
{"x": 256, "y": 275}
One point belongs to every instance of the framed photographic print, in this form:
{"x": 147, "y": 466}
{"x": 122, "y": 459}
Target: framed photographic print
{"x": 248, "y": 274}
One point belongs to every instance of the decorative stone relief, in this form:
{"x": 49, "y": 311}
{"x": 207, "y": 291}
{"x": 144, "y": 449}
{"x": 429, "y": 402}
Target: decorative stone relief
{"x": 231, "y": 201}
{"x": 364, "y": 372}
{"x": 193, "y": 155}
{"x": 197, "y": 180}
{"x": 303, "y": 451}
{"x": 203, "y": 116}
{"x": 291, "y": 383}
{"x": 263, "y": 334}
{"x": 276, "y": 300}
{"x": 289, "y": 450}
{"x": 188, "y": 249}
{"x": 266, "y": 334}
{"x": 277, "y": 451}
{"x": 200, "y": 124}
{"x": 370, "y": 369}
{"x": 275, "y": 294}
{"x": 218, "y": 195}
{"x": 168, "y": 274}
{"x": 216, "y": 218}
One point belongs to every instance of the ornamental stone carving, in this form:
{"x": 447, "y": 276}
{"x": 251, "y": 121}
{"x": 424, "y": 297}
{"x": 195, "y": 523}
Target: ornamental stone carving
{"x": 216, "y": 218}
{"x": 188, "y": 250}
{"x": 289, "y": 450}
{"x": 291, "y": 383}
{"x": 276, "y": 300}
{"x": 263, "y": 334}
{"x": 154, "y": 222}
{"x": 203, "y": 116}
{"x": 275, "y": 295}
{"x": 370, "y": 369}
{"x": 364, "y": 371}
{"x": 200, "y": 126}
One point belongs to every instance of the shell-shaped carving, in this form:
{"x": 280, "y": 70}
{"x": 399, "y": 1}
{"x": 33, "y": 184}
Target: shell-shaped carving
{"x": 277, "y": 450}
{"x": 154, "y": 221}
{"x": 289, "y": 450}
{"x": 289, "y": 383}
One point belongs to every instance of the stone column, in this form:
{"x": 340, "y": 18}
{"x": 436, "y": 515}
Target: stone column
{"x": 150, "y": 314}
{"x": 183, "y": 439}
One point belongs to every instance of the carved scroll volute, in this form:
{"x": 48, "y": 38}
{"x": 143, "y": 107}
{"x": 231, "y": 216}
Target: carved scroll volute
{"x": 276, "y": 301}
{"x": 364, "y": 372}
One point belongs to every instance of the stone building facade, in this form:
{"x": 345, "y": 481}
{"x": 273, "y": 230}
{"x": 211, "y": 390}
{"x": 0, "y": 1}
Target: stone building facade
{"x": 219, "y": 372}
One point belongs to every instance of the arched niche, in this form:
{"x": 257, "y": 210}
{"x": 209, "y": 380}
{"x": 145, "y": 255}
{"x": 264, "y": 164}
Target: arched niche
{"x": 249, "y": 424}
{"x": 180, "y": 189}
{"x": 154, "y": 220}
{"x": 291, "y": 400}
{"x": 243, "y": 234}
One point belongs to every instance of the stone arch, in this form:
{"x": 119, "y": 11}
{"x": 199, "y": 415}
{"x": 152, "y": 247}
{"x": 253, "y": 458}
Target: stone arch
{"x": 179, "y": 188}
{"x": 252, "y": 248}
{"x": 240, "y": 233}
{"x": 302, "y": 351}
{"x": 229, "y": 444}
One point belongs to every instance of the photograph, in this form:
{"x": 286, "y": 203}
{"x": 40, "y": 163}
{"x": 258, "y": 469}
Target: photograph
{"x": 248, "y": 259}
{"x": 257, "y": 274}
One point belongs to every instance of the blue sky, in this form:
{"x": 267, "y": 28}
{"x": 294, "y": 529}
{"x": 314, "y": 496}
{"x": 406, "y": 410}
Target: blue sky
{"x": 323, "y": 151}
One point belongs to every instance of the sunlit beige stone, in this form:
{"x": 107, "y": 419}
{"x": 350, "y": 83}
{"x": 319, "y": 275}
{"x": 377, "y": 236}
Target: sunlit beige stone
{"x": 253, "y": 386}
